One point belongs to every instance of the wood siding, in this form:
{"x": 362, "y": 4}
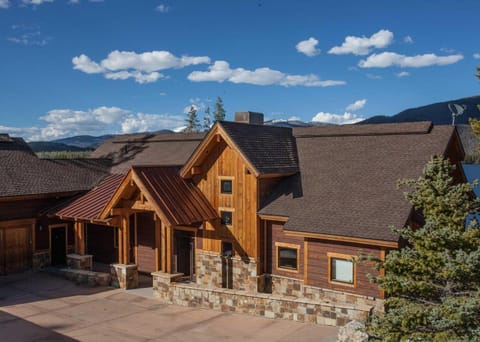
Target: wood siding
{"x": 225, "y": 162}
{"x": 15, "y": 249}
{"x": 146, "y": 242}
{"x": 317, "y": 265}
{"x": 100, "y": 243}
{"x": 275, "y": 234}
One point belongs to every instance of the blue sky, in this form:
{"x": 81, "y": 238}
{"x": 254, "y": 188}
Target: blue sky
{"x": 74, "y": 67}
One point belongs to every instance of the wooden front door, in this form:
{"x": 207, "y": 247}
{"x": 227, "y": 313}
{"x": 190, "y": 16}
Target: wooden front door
{"x": 16, "y": 255}
{"x": 58, "y": 240}
{"x": 145, "y": 242}
{"x": 184, "y": 253}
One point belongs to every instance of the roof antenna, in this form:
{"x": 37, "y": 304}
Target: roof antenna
{"x": 456, "y": 110}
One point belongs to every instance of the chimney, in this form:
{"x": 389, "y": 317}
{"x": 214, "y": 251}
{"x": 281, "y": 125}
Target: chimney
{"x": 252, "y": 118}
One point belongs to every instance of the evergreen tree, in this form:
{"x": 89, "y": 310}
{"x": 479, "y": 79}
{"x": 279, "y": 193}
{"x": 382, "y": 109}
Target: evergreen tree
{"x": 432, "y": 286}
{"x": 192, "y": 121}
{"x": 219, "y": 113}
{"x": 206, "y": 120}
{"x": 478, "y": 71}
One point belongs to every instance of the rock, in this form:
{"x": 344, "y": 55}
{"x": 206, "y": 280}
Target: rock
{"x": 351, "y": 332}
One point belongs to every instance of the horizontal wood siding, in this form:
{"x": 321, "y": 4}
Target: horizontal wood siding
{"x": 317, "y": 260}
{"x": 100, "y": 243}
{"x": 276, "y": 234}
{"x": 224, "y": 162}
{"x": 146, "y": 242}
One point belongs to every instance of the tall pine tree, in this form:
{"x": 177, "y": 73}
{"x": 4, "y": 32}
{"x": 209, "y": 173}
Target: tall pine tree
{"x": 219, "y": 112}
{"x": 192, "y": 121}
{"x": 207, "y": 122}
{"x": 432, "y": 285}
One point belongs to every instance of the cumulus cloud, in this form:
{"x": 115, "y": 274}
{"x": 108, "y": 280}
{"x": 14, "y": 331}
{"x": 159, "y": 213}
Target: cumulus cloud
{"x": 162, "y": 8}
{"x": 4, "y": 4}
{"x": 408, "y": 39}
{"x": 388, "y": 59}
{"x": 359, "y": 104}
{"x": 61, "y": 123}
{"x": 308, "y": 47}
{"x": 476, "y": 55}
{"x": 338, "y": 119}
{"x": 142, "y": 67}
{"x": 363, "y": 45}
{"x": 402, "y": 74}
{"x": 220, "y": 71}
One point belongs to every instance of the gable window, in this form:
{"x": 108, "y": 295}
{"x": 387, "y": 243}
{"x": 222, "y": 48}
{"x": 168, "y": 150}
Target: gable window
{"x": 341, "y": 269}
{"x": 226, "y": 217}
{"x": 287, "y": 256}
{"x": 226, "y": 186}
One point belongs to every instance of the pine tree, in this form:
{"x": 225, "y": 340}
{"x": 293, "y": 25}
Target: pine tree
{"x": 432, "y": 286}
{"x": 478, "y": 71}
{"x": 206, "y": 120}
{"x": 219, "y": 113}
{"x": 192, "y": 121}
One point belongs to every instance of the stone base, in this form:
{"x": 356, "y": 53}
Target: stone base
{"x": 124, "y": 276}
{"x": 87, "y": 277}
{"x": 41, "y": 259}
{"x": 80, "y": 262}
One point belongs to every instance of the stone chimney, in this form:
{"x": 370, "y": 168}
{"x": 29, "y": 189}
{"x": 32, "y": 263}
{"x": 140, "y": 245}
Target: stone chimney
{"x": 252, "y": 118}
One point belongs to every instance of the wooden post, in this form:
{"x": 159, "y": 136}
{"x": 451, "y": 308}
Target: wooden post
{"x": 163, "y": 249}
{"x": 158, "y": 242}
{"x": 126, "y": 239}
{"x": 79, "y": 228}
{"x": 120, "y": 245}
{"x": 169, "y": 249}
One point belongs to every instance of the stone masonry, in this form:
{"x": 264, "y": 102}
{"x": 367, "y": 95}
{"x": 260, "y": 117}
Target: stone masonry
{"x": 41, "y": 259}
{"x": 124, "y": 276}
{"x": 80, "y": 262}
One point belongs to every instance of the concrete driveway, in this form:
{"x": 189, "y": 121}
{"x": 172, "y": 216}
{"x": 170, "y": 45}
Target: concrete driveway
{"x": 41, "y": 307}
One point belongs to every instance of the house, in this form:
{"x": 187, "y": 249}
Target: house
{"x": 252, "y": 218}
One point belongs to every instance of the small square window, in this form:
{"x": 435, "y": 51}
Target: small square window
{"x": 342, "y": 270}
{"x": 226, "y": 186}
{"x": 226, "y": 217}
{"x": 287, "y": 258}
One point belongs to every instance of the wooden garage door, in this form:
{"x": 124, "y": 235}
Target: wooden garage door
{"x": 16, "y": 249}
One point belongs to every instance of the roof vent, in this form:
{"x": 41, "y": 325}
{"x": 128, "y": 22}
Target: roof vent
{"x": 5, "y": 138}
{"x": 252, "y": 118}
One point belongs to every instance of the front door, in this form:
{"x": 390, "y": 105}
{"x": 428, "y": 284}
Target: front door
{"x": 16, "y": 249}
{"x": 184, "y": 253}
{"x": 58, "y": 246}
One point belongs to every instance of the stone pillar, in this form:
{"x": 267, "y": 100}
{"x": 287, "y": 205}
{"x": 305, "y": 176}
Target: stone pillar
{"x": 41, "y": 259}
{"x": 124, "y": 276}
{"x": 161, "y": 285}
{"x": 80, "y": 262}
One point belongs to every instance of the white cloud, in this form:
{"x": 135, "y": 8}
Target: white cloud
{"x": 162, "y": 8}
{"x": 338, "y": 119}
{"x": 61, "y": 123}
{"x": 402, "y": 74}
{"x": 35, "y": 2}
{"x": 359, "y": 104}
{"x": 4, "y": 4}
{"x": 308, "y": 47}
{"x": 142, "y": 67}
{"x": 373, "y": 76}
{"x": 408, "y": 39}
{"x": 220, "y": 71}
{"x": 28, "y": 35}
{"x": 363, "y": 45}
{"x": 388, "y": 59}
{"x": 476, "y": 55}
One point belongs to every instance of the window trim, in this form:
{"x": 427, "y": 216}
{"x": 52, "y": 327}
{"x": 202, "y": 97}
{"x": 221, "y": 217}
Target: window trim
{"x": 277, "y": 257}
{"x": 225, "y": 178}
{"x": 346, "y": 257}
{"x": 229, "y": 210}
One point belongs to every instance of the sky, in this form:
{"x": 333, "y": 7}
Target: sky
{"x": 73, "y": 67}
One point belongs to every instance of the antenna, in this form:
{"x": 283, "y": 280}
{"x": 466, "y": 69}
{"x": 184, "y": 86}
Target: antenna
{"x": 456, "y": 110}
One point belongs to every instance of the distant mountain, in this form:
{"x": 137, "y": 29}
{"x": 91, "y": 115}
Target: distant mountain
{"x": 294, "y": 123}
{"x": 84, "y": 141}
{"x": 438, "y": 113}
{"x": 48, "y": 146}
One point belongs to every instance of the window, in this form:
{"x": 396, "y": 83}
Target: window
{"x": 287, "y": 256}
{"x": 226, "y": 186}
{"x": 226, "y": 217}
{"x": 342, "y": 269}
{"x": 227, "y": 249}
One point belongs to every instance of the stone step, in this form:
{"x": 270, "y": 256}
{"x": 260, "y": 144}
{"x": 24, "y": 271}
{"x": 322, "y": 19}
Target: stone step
{"x": 90, "y": 278}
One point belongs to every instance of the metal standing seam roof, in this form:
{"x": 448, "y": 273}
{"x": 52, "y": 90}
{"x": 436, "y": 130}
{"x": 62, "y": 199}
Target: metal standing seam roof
{"x": 90, "y": 205}
{"x": 181, "y": 202}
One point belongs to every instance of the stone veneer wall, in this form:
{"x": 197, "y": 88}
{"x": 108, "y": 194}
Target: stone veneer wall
{"x": 258, "y": 304}
{"x": 210, "y": 270}
{"x": 41, "y": 259}
{"x": 80, "y": 262}
{"x": 283, "y": 286}
{"x": 124, "y": 276}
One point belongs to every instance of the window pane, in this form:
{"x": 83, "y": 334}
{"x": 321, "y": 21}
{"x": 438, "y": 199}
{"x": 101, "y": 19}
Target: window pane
{"x": 287, "y": 258}
{"x": 226, "y": 217}
{"x": 226, "y": 186}
{"x": 342, "y": 270}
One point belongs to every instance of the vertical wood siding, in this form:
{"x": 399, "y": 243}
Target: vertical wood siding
{"x": 146, "y": 242}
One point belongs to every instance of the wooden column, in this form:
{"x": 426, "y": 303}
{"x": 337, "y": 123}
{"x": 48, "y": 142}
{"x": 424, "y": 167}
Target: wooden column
{"x": 169, "y": 249}
{"x": 158, "y": 243}
{"x": 79, "y": 228}
{"x": 163, "y": 249}
{"x": 120, "y": 244}
{"x": 126, "y": 239}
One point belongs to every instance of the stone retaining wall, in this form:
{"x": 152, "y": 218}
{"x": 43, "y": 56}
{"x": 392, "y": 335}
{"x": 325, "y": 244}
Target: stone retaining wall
{"x": 41, "y": 259}
{"x": 258, "y": 304}
{"x": 80, "y": 262}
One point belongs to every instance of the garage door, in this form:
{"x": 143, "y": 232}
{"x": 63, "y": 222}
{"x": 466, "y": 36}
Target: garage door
{"x": 15, "y": 251}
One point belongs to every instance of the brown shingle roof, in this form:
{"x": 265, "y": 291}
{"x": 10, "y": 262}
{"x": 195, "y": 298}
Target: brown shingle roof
{"x": 148, "y": 149}
{"x": 347, "y": 183}
{"x": 180, "y": 201}
{"x": 270, "y": 149}
{"x": 23, "y": 173}
{"x": 90, "y": 205}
